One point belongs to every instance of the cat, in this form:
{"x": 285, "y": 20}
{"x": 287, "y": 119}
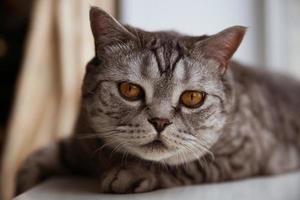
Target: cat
{"x": 162, "y": 109}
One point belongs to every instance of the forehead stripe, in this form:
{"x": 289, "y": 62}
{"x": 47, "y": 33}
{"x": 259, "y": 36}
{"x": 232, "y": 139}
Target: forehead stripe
{"x": 158, "y": 54}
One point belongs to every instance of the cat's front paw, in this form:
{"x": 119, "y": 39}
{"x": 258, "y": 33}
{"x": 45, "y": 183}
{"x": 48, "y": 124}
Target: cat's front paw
{"x": 129, "y": 179}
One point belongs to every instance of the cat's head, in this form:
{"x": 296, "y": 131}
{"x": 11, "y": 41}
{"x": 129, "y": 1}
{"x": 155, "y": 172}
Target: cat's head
{"x": 160, "y": 96}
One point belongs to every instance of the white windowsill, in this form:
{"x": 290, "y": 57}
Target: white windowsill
{"x": 285, "y": 187}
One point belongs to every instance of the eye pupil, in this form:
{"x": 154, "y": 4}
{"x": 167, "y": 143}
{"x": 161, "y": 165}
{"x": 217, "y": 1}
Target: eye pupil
{"x": 192, "y": 99}
{"x": 130, "y": 91}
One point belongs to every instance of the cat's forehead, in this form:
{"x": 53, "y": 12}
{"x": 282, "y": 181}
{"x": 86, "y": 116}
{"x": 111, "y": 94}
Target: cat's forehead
{"x": 156, "y": 55}
{"x": 156, "y": 68}
{"x": 162, "y": 60}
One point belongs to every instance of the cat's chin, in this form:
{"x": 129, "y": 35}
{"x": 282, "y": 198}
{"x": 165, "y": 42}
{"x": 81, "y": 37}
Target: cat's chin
{"x": 155, "y": 156}
{"x": 153, "y": 152}
{"x": 164, "y": 155}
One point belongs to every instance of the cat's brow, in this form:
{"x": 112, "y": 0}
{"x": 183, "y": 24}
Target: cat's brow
{"x": 158, "y": 54}
{"x": 167, "y": 56}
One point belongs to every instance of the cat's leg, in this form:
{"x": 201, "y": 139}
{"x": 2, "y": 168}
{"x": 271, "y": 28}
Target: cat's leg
{"x": 136, "y": 178}
{"x": 128, "y": 179}
{"x": 39, "y": 166}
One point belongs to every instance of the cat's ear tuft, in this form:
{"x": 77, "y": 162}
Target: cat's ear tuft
{"x": 106, "y": 29}
{"x": 222, "y": 45}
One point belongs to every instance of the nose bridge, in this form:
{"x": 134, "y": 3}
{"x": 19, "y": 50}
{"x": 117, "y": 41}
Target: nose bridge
{"x": 160, "y": 109}
{"x": 160, "y": 105}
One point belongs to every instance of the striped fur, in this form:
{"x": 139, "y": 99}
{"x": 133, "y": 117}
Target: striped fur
{"x": 249, "y": 124}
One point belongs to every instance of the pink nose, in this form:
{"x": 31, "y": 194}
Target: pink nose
{"x": 159, "y": 123}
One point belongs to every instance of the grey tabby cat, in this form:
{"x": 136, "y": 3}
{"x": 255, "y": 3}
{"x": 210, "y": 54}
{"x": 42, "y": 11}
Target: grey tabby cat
{"x": 161, "y": 109}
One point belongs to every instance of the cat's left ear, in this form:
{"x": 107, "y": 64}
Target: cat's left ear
{"x": 107, "y": 30}
{"x": 222, "y": 45}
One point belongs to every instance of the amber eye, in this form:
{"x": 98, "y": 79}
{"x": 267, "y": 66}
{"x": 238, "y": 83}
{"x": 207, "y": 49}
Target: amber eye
{"x": 130, "y": 91}
{"x": 192, "y": 99}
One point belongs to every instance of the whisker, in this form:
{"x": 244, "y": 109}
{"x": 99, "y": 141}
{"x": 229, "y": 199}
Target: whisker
{"x": 87, "y": 135}
{"x": 106, "y": 144}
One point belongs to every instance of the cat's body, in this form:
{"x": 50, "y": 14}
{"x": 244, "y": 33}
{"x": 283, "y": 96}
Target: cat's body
{"x": 247, "y": 123}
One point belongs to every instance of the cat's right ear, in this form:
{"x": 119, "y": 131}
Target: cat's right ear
{"x": 221, "y": 46}
{"x": 107, "y": 30}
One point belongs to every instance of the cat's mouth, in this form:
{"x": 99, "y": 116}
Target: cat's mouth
{"x": 155, "y": 144}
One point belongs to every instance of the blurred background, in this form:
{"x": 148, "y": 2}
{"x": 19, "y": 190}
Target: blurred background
{"x": 272, "y": 40}
{"x": 44, "y": 45}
